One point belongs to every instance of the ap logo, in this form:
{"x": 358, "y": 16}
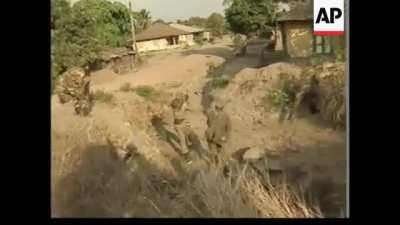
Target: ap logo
{"x": 328, "y": 17}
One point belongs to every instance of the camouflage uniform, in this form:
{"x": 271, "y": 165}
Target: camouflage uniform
{"x": 74, "y": 85}
{"x": 179, "y": 106}
{"x": 310, "y": 88}
{"x": 288, "y": 101}
{"x": 293, "y": 96}
{"x": 219, "y": 128}
{"x": 241, "y": 45}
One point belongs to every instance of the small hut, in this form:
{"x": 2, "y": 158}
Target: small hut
{"x": 119, "y": 60}
{"x": 160, "y": 37}
{"x": 295, "y": 29}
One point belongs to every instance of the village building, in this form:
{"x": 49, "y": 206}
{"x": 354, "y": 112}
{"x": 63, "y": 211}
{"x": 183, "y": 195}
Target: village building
{"x": 168, "y": 36}
{"x": 295, "y": 33}
{"x": 161, "y": 37}
{"x": 119, "y": 60}
{"x": 195, "y": 33}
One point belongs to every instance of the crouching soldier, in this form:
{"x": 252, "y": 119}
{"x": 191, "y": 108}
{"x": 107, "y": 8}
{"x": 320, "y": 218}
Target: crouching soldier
{"x": 179, "y": 105}
{"x": 310, "y": 96}
{"x": 74, "y": 85}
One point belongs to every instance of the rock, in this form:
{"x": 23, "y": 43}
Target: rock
{"x": 253, "y": 154}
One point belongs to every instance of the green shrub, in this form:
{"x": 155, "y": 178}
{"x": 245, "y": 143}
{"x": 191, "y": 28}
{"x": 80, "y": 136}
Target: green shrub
{"x": 278, "y": 97}
{"x": 220, "y": 83}
{"x": 145, "y": 91}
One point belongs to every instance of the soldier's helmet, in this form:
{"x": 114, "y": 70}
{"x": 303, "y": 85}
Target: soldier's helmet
{"x": 217, "y": 104}
{"x": 74, "y": 77}
{"x": 178, "y": 101}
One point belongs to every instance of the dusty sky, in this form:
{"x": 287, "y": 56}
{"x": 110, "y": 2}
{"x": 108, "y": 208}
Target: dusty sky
{"x": 171, "y": 10}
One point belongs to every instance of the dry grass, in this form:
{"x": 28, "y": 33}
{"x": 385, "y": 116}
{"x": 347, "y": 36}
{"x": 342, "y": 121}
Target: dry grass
{"x": 102, "y": 96}
{"x": 102, "y": 186}
{"x": 126, "y": 87}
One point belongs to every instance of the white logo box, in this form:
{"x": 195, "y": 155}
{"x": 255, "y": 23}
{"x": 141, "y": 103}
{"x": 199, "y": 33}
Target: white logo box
{"x": 328, "y": 17}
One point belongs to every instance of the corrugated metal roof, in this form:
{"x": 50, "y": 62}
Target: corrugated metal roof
{"x": 187, "y": 28}
{"x": 108, "y": 54}
{"x": 159, "y": 30}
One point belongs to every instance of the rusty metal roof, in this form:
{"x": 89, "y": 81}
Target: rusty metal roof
{"x": 190, "y": 29}
{"x": 111, "y": 53}
{"x": 158, "y": 31}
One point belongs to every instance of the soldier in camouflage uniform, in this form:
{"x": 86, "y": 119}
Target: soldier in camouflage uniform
{"x": 74, "y": 85}
{"x": 219, "y": 127}
{"x": 312, "y": 91}
{"x": 179, "y": 105}
{"x": 288, "y": 100}
{"x": 240, "y": 42}
{"x": 294, "y": 95}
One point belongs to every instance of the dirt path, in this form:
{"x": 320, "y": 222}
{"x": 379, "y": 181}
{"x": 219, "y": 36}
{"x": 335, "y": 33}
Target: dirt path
{"x": 171, "y": 66}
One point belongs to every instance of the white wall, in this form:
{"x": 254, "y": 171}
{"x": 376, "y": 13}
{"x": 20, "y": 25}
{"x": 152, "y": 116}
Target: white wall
{"x": 186, "y": 40}
{"x": 162, "y": 44}
{"x": 154, "y": 45}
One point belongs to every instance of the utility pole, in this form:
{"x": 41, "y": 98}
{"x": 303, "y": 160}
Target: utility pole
{"x": 134, "y": 46}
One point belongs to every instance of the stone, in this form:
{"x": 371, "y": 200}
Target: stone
{"x": 253, "y": 154}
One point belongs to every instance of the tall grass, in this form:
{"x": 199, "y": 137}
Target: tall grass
{"x": 102, "y": 186}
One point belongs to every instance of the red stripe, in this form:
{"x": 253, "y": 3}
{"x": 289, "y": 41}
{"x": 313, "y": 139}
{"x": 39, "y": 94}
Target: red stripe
{"x": 328, "y": 33}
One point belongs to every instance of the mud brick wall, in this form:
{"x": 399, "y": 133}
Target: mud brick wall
{"x": 298, "y": 38}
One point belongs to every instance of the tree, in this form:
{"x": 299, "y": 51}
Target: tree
{"x": 250, "y": 17}
{"x": 196, "y": 21}
{"x": 80, "y": 31}
{"x": 216, "y": 24}
{"x": 59, "y": 8}
{"x": 143, "y": 19}
{"x": 73, "y": 41}
{"x": 111, "y": 20}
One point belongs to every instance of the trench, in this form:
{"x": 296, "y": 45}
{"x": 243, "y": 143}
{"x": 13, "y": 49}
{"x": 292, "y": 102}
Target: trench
{"x": 322, "y": 190}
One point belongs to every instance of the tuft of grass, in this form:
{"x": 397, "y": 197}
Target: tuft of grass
{"x": 147, "y": 92}
{"x": 220, "y": 83}
{"x": 102, "y": 96}
{"x": 126, "y": 87}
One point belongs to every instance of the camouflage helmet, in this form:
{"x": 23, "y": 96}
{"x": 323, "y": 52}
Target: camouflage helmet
{"x": 217, "y": 103}
{"x": 179, "y": 99}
